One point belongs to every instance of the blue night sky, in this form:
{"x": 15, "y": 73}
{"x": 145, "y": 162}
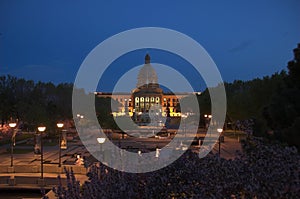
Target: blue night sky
{"x": 48, "y": 41}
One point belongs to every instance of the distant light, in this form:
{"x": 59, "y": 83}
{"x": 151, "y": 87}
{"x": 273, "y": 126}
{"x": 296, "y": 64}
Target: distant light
{"x": 60, "y": 125}
{"x": 41, "y": 128}
{"x": 101, "y": 140}
{"x": 12, "y": 125}
{"x": 220, "y": 130}
{"x": 184, "y": 116}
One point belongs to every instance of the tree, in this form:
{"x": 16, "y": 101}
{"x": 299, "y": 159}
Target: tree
{"x": 283, "y": 112}
{"x": 34, "y": 103}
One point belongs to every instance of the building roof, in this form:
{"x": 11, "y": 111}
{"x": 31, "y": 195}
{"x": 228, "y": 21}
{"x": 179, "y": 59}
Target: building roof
{"x": 147, "y": 75}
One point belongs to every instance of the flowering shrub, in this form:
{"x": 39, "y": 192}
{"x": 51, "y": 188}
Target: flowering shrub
{"x": 263, "y": 170}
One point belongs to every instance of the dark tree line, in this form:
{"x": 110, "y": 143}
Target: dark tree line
{"x": 247, "y": 99}
{"x": 44, "y": 103}
{"x": 273, "y": 102}
{"x": 283, "y": 112}
{"x": 34, "y": 103}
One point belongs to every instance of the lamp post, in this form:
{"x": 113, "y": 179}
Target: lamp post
{"x": 59, "y": 126}
{"x": 184, "y": 123}
{"x": 126, "y": 108}
{"x": 220, "y": 130}
{"x": 12, "y": 125}
{"x": 157, "y": 153}
{"x": 41, "y": 129}
{"x": 101, "y": 141}
{"x": 207, "y": 121}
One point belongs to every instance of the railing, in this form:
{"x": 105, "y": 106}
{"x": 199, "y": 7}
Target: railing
{"x": 28, "y": 176}
{"x": 48, "y": 168}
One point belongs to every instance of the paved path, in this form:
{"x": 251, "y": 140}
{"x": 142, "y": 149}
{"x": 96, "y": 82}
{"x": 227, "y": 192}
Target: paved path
{"x": 228, "y": 148}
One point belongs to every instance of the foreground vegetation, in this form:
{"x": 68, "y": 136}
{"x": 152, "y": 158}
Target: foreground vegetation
{"x": 264, "y": 170}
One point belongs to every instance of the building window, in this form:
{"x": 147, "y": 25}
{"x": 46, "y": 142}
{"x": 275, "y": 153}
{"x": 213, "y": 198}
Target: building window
{"x": 157, "y": 99}
{"x": 147, "y": 99}
{"x": 142, "y": 99}
{"x": 136, "y": 99}
{"x": 152, "y": 99}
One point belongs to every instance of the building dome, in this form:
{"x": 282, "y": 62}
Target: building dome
{"x": 147, "y": 75}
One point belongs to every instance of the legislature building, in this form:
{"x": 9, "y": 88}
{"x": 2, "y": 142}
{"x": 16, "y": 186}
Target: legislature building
{"x": 147, "y": 97}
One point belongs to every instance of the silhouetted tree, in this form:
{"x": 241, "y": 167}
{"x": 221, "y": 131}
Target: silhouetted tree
{"x": 283, "y": 113}
{"x": 34, "y": 103}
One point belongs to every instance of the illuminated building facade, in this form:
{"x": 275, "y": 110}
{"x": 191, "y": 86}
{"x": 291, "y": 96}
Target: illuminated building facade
{"x": 147, "y": 97}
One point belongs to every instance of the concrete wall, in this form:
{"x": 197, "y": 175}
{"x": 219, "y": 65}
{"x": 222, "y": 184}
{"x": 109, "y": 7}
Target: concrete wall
{"x": 48, "y": 168}
{"x": 30, "y": 181}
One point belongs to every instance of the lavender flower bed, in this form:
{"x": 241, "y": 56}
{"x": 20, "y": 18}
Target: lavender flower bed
{"x": 263, "y": 171}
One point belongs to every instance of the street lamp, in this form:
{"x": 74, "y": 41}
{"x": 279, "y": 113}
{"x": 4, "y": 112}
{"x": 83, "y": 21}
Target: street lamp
{"x": 157, "y": 153}
{"x": 12, "y": 125}
{"x": 101, "y": 141}
{"x": 207, "y": 120}
{"x": 220, "y": 130}
{"x": 41, "y": 129}
{"x": 184, "y": 123}
{"x": 59, "y": 126}
{"x": 79, "y": 116}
